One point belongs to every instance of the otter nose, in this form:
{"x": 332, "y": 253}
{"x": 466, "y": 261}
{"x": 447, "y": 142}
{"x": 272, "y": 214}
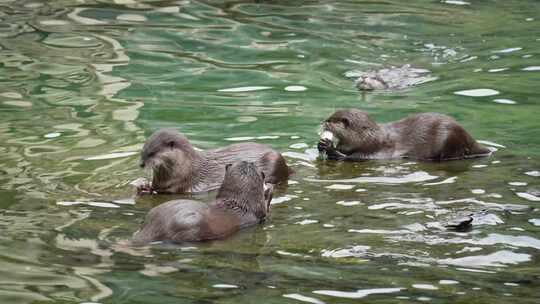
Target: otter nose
{"x": 141, "y": 164}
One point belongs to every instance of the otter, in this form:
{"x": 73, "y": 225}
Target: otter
{"x": 242, "y": 200}
{"x": 178, "y": 168}
{"x": 425, "y": 136}
{"x": 391, "y": 79}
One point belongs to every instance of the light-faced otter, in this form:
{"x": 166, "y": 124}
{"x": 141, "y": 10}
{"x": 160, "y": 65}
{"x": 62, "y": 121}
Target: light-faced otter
{"x": 243, "y": 200}
{"x": 178, "y": 168}
{"x": 425, "y": 136}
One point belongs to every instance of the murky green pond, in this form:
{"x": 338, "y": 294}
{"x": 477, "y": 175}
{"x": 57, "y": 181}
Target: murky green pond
{"x": 83, "y": 83}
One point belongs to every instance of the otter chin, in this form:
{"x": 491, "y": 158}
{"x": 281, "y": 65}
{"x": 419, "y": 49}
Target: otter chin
{"x": 425, "y": 136}
{"x": 178, "y": 168}
{"x": 243, "y": 200}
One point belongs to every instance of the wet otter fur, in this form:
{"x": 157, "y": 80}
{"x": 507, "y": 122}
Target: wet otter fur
{"x": 425, "y": 136}
{"x": 243, "y": 200}
{"x": 178, "y": 168}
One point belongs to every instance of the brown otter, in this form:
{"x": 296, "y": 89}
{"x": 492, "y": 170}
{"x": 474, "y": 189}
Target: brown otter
{"x": 178, "y": 168}
{"x": 242, "y": 200}
{"x": 425, "y": 136}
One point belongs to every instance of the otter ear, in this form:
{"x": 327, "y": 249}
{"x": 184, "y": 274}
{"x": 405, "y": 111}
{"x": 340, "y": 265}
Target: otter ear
{"x": 345, "y": 122}
{"x": 227, "y": 166}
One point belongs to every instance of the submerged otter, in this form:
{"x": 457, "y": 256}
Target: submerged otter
{"x": 243, "y": 200}
{"x": 393, "y": 78}
{"x": 425, "y": 136}
{"x": 178, "y": 168}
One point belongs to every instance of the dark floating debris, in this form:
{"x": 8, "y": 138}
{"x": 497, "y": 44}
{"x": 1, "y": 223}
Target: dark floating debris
{"x": 460, "y": 223}
{"x": 464, "y": 221}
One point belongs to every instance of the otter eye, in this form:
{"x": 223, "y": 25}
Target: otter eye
{"x": 345, "y": 122}
{"x": 227, "y": 166}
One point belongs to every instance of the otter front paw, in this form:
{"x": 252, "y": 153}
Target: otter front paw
{"x": 334, "y": 154}
{"x": 142, "y": 186}
{"x": 145, "y": 189}
{"x": 324, "y": 144}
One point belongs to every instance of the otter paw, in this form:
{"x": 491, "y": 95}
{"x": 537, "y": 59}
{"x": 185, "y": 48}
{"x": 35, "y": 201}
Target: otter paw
{"x": 324, "y": 145}
{"x": 145, "y": 189}
{"x": 142, "y": 186}
{"x": 334, "y": 154}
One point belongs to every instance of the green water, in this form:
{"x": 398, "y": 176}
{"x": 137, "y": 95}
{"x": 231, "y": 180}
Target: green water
{"x": 80, "y": 80}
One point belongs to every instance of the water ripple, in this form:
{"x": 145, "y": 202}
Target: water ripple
{"x": 361, "y": 293}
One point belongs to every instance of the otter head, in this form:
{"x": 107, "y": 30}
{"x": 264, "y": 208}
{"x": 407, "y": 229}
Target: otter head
{"x": 370, "y": 82}
{"x": 166, "y": 152}
{"x": 354, "y": 131}
{"x": 244, "y": 190}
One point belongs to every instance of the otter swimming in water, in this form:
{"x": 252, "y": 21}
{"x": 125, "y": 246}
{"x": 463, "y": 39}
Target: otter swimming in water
{"x": 392, "y": 78}
{"x": 243, "y": 200}
{"x": 178, "y": 168}
{"x": 425, "y": 136}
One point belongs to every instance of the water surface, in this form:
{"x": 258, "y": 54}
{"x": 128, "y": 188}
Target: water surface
{"x": 83, "y": 83}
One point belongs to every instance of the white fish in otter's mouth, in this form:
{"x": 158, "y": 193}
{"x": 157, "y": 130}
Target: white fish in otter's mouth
{"x": 327, "y": 135}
